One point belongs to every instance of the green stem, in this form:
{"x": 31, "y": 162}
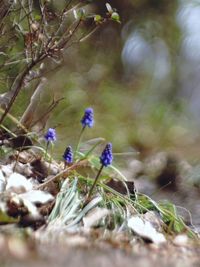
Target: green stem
{"x": 47, "y": 146}
{"x": 79, "y": 141}
{"x": 95, "y": 182}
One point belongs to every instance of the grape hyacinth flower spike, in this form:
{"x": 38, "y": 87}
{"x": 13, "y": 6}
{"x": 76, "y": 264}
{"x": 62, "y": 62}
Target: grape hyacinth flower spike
{"x": 50, "y": 137}
{"x": 86, "y": 121}
{"x": 106, "y": 156}
{"x": 106, "y": 159}
{"x": 68, "y": 156}
{"x": 88, "y": 118}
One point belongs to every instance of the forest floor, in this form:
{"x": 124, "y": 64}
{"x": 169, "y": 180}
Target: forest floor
{"x": 93, "y": 248}
{"x": 102, "y": 254}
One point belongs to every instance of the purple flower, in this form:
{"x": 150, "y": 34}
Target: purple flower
{"x": 50, "y": 135}
{"x": 106, "y": 156}
{"x": 68, "y": 155}
{"x": 88, "y": 118}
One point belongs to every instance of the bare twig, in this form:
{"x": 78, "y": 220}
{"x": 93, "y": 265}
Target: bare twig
{"x": 29, "y": 20}
{"x": 45, "y": 43}
{"x": 63, "y": 174}
{"x": 48, "y": 111}
{"x": 27, "y": 117}
{"x": 17, "y": 85}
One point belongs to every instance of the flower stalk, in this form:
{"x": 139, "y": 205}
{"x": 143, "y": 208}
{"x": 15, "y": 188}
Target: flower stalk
{"x": 86, "y": 121}
{"x": 50, "y": 137}
{"x": 106, "y": 159}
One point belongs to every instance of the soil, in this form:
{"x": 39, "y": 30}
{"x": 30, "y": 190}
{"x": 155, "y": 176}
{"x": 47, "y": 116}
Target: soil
{"x": 105, "y": 255}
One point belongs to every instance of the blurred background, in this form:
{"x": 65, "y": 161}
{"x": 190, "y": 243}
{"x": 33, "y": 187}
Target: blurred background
{"x": 141, "y": 77}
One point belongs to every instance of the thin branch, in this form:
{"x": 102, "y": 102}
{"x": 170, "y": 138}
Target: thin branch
{"x": 16, "y": 62}
{"x": 62, "y": 25}
{"x": 62, "y": 174}
{"x": 63, "y": 43}
{"x": 3, "y": 16}
{"x": 29, "y": 26}
{"x": 50, "y": 108}
{"x": 47, "y": 49}
{"x": 83, "y": 39}
{"x": 27, "y": 116}
{"x": 43, "y": 74}
{"x": 66, "y": 8}
{"x": 16, "y": 86}
{"x": 30, "y": 7}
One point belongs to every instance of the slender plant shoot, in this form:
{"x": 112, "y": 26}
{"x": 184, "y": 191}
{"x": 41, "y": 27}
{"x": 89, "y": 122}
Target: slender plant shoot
{"x": 86, "y": 121}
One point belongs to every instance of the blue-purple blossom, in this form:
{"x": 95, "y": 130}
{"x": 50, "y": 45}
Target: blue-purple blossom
{"x": 106, "y": 156}
{"x": 50, "y": 135}
{"x": 68, "y": 155}
{"x": 88, "y": 118}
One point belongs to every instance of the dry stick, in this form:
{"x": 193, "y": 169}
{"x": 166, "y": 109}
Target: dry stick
{"x": 15, "y": 121}
{"x": 50, "y": 108}
{"x": 30, "y": 7}
{"x": 43, "y": 74}
{"x": 43, "y": 29}
{"x": 82, "y": 39}
{"x": 63, "y": 42}
{"x": 66, "y": 7}
{"x": 61, "y": 174}
{"x": 62, "y": 28}
{"x": 29, "y": 113}
{"x": 4, "y": 10}
{"x": 29, "y": 26}
{"x": 16, "y": 87}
